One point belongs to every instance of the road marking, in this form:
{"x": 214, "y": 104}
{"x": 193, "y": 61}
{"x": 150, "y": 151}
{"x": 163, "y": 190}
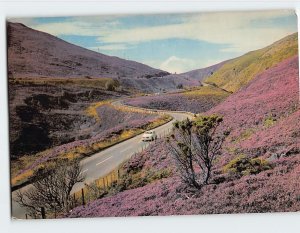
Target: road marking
{"x": 125, "y": 149}
{"x": 104, "y": 160}
{"x": 84, "y": 171}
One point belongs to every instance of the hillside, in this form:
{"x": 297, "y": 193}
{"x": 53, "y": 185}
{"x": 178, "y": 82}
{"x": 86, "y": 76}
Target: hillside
{"x": 239, "y": 71}
{"x": 201, "y": 74}
{"x": 199, "y": 100}
{"x": 264, "y": 122}
{"x": 32, "y": 53}
{"x": 35, "y": 56}
{"x": 48, "y": 76}
{"x": 228, "y": 76}
{"x": 75, "y": 133}
{"x": 171, "y": 82}
{"x": 267, "y": 103}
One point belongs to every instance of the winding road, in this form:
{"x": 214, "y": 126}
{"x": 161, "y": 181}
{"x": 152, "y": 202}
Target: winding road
{"x": 101, "y": 163}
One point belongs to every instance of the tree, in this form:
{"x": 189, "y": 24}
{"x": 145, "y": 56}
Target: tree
{"x": 195, "y": 146}
{"x": 52, "y": 188}
{"x": 111, "y": 85}
{"x": 179, "y": 86}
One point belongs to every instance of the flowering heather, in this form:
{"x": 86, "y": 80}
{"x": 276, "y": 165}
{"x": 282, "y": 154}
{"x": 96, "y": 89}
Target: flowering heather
{"x": 276, "y": 190}
{"x": 111, "y": 117}
{"x": 194, "y": 101}
{"x": 274, "y": 94}
{"x": 271, "y": 97}
{"x": 113, "y": 122}
{"x": 282, "y": 138}
{"x": 156, "y": 157}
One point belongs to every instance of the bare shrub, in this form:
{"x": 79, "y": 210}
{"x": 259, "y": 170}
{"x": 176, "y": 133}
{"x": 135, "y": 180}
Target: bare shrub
{"x": 52, "y": 188}
{"x": 195, "y": 146}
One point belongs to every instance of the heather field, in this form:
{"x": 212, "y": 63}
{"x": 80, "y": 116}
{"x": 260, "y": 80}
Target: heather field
{"x": 264, "y": 133}
{"x": 273, "y": 191}
{"x": 119, "y": 116}
{"x": 111, "y": 126}
{"x": 196, "y": 101}
{"x": 237, "y": 72}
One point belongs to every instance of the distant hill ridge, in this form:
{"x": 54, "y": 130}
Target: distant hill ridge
{"x": 34, "y": 53}
{"x": 237, "y": 72}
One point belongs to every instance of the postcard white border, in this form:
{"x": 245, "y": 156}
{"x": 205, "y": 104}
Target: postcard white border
{"x": 241, "y": 223}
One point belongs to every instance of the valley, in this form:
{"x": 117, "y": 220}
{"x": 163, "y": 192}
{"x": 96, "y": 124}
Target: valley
{"x": 67, "y": 102}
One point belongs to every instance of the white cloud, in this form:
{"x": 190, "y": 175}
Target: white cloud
{"x": 239, "y": 30}
{"x": 233, "y": 28}
{"x": 179, "y": 65}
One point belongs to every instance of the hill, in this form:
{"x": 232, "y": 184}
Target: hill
{"x": 171, "y": 82}
{"x": 36, "y": 56}
{"x": 201, "y": 74}
{"x": 264, "y": 127}
{"x": 266, "y": 103}
{"x": 199, "y": 100}
{"x": 32, "y": 53}
{"x": 229, "y": 75}
{"x": 239, "y": 71}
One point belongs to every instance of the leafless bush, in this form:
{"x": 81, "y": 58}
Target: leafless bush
{"x": 52, "y": 189}
{"x": 195, "y": 146}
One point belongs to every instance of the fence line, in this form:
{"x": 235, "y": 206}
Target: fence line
{"x": 80, "y": 197}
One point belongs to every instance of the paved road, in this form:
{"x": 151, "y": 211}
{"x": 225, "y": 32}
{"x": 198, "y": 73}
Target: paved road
{"x": 102, "y": 163}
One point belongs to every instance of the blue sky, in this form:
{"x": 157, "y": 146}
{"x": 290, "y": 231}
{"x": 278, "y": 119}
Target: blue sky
{"x": 172, "y": 42}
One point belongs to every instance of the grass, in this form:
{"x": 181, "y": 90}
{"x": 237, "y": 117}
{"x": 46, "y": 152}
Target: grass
{"x": 238, "y": 72}
{"x": 242, "y": 165}
{"x": 24, "y": 162}
{"x": 247, "y": 133}
{"x": 21, "y": 163}
{"x": 21, "y": 178}
{"x": 207, "y": 91}
{"x": 92, "y": 109}
{"x": 269, "y": 121}
{"x": 120, "y": 180}
{"x": 79, "y": 151}
{"x": 232, "y": 150}
{"x": 93, "y": 190}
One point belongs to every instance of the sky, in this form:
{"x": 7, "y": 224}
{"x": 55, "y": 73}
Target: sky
{"x": 172, "y": 42}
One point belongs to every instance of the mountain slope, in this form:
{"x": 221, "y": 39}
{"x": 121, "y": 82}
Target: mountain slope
{"x": 201, "y": 74}
{"x": 199, "y": 100}
{"x": 272, "y": 190}
{"x": 264, "y": 104}
{"x": 172, "y": 82}
{"x": 33, "y": 53}
{"x": 239, "y": 71}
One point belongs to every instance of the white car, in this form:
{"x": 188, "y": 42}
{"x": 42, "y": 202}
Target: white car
{"x": 149, "y": 136}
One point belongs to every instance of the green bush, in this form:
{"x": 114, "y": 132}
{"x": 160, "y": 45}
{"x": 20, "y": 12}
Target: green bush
{"x": 247, "y": 133}
{"x": 139, "y": 178}
{"x": 243, "y": 165}
{"x": 111, "y": 85}
{"x": 269, "y": 121}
